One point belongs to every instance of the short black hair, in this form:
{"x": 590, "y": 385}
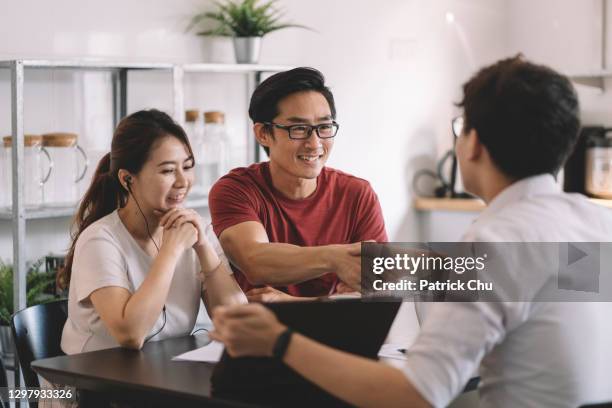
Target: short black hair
{"x": 526, "y": 115}
{"x": 265, "y": 99}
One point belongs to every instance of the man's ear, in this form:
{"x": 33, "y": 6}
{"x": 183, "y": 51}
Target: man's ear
{"x": 263, "y": 134}
{"x": 474, "y": 148}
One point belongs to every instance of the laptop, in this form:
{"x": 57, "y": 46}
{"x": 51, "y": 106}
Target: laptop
{"x": 358, "y": 326}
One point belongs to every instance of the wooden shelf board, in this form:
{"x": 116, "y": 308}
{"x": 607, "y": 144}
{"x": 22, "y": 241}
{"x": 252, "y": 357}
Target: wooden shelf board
{"x": 469, "y": 204}
{"x": 448, "y": 204}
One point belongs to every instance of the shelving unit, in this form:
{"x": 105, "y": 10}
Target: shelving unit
{"x": 58, "y": 212}
{"x": 18, "y": 214}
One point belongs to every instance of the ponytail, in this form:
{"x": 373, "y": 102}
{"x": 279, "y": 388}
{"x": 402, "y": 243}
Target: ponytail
{"x": 102, "y": 198}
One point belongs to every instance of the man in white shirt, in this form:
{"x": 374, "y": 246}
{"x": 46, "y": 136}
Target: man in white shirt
{"x": 519, "y": 125}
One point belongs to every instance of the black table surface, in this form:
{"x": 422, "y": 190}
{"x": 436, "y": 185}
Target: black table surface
{"x": 147, "y": 374}
{"x": 149, "y": 377}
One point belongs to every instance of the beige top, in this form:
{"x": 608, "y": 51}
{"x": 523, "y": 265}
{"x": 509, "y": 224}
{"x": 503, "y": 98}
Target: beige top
{"x": 106, "y": 254}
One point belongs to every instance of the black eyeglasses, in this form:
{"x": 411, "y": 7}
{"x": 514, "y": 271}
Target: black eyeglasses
{"x": 457, "y": 124}
{"x": 301, "y": 132}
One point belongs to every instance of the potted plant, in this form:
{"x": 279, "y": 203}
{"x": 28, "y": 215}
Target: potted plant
{"x": 246, "y": 22}
{"x": 40, "y": 287}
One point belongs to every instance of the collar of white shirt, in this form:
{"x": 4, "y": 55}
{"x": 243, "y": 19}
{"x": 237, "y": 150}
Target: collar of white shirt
{"x": 542, "y": 184}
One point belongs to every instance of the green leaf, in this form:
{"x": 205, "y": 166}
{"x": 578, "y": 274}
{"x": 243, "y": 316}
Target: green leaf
{"x": 39, "y": 288}
{"x": 242, "y": 18}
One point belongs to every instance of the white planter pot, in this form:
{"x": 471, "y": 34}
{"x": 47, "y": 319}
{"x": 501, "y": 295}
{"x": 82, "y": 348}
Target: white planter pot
{"x": 218, "y": 49}
{"x": 247, "y": 49}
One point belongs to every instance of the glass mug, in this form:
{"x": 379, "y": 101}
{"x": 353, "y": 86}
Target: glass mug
{"x": 35, "y": 175}
{"x": 69, "y": 160}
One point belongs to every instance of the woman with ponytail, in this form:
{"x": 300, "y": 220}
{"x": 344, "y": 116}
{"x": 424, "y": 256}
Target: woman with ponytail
{"x": 140, "y": 262}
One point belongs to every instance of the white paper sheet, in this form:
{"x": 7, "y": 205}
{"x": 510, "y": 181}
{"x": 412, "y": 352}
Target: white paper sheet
{"x": 390, "y": 350}
{"x": 210, "y": 353}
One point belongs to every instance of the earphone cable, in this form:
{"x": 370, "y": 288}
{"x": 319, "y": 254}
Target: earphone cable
{"x": 160, "y": 329}
{"x": 144, "y": 218}
{"x": 156, "y": 247}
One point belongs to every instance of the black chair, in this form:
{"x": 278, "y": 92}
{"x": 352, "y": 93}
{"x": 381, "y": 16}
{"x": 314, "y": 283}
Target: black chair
{"x": 600, "y": 405}
{"x": 37, "y": 331}
{"x": 3, "y": 384}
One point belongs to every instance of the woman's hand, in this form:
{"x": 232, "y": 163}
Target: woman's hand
{"x": 179, "y": 216}
{"x": 180, "y": 238}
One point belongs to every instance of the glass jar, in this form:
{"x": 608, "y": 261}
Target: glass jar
{"x": 215, "y": 149}
{"x": 35, "y": 174}
{"x": 70, "y": 165}
{"x": 193, "y": 126}
{"x": 194, "y": 130}
{"x": 598, "y": 174}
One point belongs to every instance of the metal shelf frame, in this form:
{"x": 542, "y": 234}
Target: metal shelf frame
{"x": 119, "y": 70}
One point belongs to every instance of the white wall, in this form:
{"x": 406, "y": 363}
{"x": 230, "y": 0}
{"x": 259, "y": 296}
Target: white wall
{"x": 395, "y": 67}
{"x": 567, "y": 35}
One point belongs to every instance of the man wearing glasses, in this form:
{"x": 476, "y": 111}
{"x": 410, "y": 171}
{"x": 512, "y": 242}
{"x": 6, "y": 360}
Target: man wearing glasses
{"x": 520, "y": 123}
{"x": 292, "y": 226}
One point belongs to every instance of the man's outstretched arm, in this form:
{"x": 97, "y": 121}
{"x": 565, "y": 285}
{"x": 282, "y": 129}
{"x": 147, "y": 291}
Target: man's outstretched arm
{"x": 278, "y": 264}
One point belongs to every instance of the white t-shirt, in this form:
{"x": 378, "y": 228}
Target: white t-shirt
{"x": 107, "y": 255}
{"x": 531, "y": 354}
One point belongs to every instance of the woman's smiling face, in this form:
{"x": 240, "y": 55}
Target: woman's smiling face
{"x": 166, "y": 177}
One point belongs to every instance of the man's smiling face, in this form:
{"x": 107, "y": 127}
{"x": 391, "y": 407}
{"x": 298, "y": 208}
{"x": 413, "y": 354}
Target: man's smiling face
{"x": 301, "y": 158}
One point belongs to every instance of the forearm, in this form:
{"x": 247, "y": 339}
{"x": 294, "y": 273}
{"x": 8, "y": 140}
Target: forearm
{"x": 279, "y": 264}
{"x": 220, "y": 286}
{"x": 363, "y": 383}
{"x": 222, "y": 290}
{"x": 146, "y": 303}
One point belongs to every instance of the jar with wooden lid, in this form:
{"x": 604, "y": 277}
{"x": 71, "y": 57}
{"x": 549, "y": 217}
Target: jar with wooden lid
{"x": 215, "y": 150}
{"x": 37, "y": 171}
{"x": 71, "y": 162}
{"x": 194, "y": 127}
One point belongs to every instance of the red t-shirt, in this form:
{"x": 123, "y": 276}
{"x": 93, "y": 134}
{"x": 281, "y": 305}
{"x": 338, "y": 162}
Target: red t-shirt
{"x": 343, "y": 209}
